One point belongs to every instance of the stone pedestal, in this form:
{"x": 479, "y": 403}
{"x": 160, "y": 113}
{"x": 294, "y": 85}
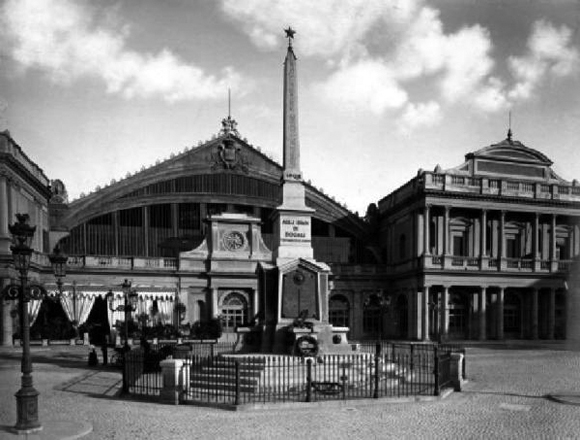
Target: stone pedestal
{"x": 175, "y": 378}
{"x": 456, "y": 372}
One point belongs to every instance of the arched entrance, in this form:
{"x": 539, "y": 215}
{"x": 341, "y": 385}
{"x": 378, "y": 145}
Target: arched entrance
{"x": 234, "y": 310}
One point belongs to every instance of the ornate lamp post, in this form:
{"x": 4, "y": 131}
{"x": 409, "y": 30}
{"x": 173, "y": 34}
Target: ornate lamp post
{"x": 58, "y": 260}
{"x": 27, "y": 396}
{"x": 130, "y": 305}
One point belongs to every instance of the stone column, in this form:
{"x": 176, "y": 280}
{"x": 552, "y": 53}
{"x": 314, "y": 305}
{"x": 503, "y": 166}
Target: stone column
{"x": 4, "y": 217}
{"x": 425, "y": 313}
{"x": 427, "y": 230}
{"x": 500, "y": 298}
{"x": 501, "y": 263}
{"x": 213, "y": 292}
{"x": 415, "y": 309}
{"x": 534, "y": 313}
{"x": 483, "y": 234}
{"x": 446, "y": 231}
{"x": 552, "y": 313}
{"x": 419, "y": 229}
{"x": 444, "y": 313}
{"x": 255, "y": 305}
{"x": 482, "y": 313}
{"x": 553, "y": 261}
{"x": 536, "y": 242}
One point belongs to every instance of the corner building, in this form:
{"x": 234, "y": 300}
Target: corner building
{"x": 483, "y": 250}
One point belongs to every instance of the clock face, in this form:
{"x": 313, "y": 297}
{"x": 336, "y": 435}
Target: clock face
{"x": 233, "y": 240}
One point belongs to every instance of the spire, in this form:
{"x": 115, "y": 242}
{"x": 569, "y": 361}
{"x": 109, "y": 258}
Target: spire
{"x": 229, "y": 125}
{"x": 509, "y": 133}
{"x": 291, "y": 142}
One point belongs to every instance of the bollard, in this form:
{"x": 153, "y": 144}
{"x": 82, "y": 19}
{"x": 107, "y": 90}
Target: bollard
{"x": 457, "y": 371}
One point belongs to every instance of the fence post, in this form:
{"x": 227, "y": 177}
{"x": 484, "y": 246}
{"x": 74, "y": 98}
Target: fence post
{"x": 377, "y": 358}
{"x": 436, "y": 369}
{"x": 238, "y": 380}
{"x": 309, "y": 380}
{"x": 412, "y": 357}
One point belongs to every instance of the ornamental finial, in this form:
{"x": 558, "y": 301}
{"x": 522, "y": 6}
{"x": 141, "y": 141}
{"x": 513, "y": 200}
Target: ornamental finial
{"x": 290, "y": 35}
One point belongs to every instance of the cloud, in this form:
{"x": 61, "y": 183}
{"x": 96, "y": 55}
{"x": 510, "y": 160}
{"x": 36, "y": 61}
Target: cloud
{"x": 325, "y": 27}
{"x": 368, "y": 85}
{"x": 549, "y": 55}
{"x": 375, "y": 48}
{"x": 424, "y": 114}
{"x": 71, "y": 40}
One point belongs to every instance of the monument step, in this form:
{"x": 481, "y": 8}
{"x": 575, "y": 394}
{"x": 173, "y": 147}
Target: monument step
{"x": 217, "y": 377}
{"x": 231, "y": 388}
{"x": 226, "y": 371}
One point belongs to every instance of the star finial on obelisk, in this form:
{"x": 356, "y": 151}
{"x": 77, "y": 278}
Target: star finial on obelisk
{"x": 290, "y": 35}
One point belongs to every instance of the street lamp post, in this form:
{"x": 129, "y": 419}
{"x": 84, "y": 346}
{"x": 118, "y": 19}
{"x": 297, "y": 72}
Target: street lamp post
{"x": 26, "y": 397}
{"x": 130, "y": 305}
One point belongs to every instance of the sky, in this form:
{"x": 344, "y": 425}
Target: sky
{"x": 95, "y": 90}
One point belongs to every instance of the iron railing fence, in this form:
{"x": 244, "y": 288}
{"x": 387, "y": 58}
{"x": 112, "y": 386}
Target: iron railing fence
{"x": 394, "y": 348}
{"x": 381, "y": 369}
{"x": 269, "y": 379}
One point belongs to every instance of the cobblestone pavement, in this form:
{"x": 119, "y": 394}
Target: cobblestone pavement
{"x": 506, "y": 397}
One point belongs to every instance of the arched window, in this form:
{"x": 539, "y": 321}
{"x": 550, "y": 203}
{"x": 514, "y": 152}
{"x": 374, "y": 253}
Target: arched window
{"x": 338, "y": 311}
{"x": 234, "y": 311}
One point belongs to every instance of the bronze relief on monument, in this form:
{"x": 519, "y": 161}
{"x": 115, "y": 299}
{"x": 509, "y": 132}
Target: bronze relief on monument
{"x": 299, "y": 295}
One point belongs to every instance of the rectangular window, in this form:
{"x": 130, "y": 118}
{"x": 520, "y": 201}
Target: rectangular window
{"x": 459, "y": 245}
{"x": 372, "y": 321}
{"x": 512, "y": 247}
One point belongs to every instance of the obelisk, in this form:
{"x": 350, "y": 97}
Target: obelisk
{"x": 293, "y": 219}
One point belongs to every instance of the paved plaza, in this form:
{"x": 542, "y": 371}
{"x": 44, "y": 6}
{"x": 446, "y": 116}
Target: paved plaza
{"x": 508, "y": 396}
